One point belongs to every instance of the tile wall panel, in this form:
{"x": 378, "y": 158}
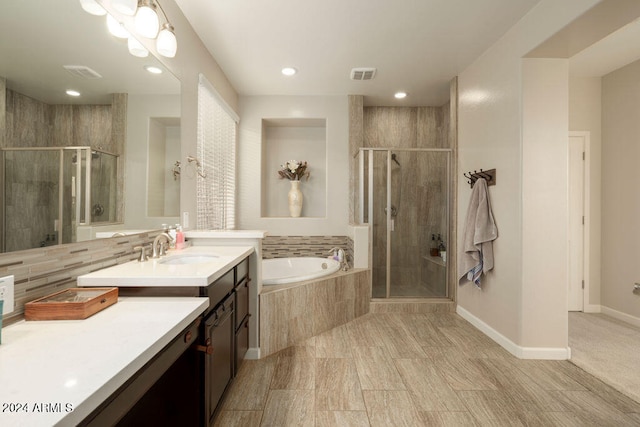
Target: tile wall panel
{"x": 302, "y": 246}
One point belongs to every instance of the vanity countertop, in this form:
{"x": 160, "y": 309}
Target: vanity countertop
{"x": 159, "y": 272}
{"x": 59, "y": 371}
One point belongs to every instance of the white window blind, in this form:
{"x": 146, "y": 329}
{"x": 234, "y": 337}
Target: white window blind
{"x": 216, "y": 147}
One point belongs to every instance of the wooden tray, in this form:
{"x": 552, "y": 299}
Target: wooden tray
{"x": 71, "y": 304}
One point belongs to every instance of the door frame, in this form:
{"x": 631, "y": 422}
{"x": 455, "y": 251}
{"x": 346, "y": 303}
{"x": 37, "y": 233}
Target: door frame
{"x": 586, "y": 136}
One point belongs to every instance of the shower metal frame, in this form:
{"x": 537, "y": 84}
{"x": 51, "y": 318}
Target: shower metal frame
{"x": 361, "y": 162}
{"x": 75, "y": 190}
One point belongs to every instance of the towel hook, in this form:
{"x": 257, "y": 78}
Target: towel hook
{"x": 489, "y": 176}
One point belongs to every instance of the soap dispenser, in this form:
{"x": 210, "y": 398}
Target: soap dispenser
{"x": 443, "y": 251}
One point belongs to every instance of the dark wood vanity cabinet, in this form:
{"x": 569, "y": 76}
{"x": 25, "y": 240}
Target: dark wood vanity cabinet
{"x": 197, "y": 368}
{"x": 241, "y": 320}
{"x": 225, "y": 335}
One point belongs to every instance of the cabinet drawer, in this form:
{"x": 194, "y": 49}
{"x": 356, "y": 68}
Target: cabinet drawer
{"x": 242, "y": 270}
{"x": 218, "y": 290}
{"x": 242, "y": 302}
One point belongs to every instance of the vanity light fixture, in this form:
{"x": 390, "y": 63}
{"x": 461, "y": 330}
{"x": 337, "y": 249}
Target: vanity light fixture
{"x": 166, "y": 43}
{"x": 146, "y": 21}
{"x": 126, "y": 7}
{"x": 289, "y": 71}
{"x": 400, "y": 95}
{"x": 92, "y": 7}
{"x": 152, "y": 69}
{"x": 136, "y": 48}
{"x": 72, "y": 92}
{"x": 116, "y": 28}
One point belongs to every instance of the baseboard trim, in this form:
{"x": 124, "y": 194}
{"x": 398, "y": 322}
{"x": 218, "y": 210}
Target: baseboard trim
{"x": 635, "y": 321}
{"x": 253, "y": 353}
{"x": 592, "y": 308}
{"x": 545, "y": 353}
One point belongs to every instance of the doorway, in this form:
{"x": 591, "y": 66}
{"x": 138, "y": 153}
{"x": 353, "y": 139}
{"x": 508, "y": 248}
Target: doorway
{"x": 578, "y": 220}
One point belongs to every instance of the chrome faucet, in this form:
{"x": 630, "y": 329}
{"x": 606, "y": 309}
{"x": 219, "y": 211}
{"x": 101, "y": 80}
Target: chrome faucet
{"x": 159, "y": 244}
{"x": 342, "y": 258}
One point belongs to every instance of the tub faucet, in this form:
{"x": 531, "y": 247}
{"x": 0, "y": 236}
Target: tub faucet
{"x": 342, "y": 258}
{"x": 158, "y": 244}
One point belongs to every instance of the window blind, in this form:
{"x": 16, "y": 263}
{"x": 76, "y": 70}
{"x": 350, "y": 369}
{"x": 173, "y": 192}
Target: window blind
{"x": 216, "y": 147}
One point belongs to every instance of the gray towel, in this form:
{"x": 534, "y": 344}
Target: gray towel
{"x": 476, "y": 254}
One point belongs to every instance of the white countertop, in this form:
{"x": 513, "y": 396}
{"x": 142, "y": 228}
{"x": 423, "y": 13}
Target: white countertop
{"x": 79, "y": 363}
{"x": 155, "y": 273}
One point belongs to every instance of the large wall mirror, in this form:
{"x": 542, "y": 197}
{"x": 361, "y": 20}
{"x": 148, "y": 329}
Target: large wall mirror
{"x": 72, "y": 165}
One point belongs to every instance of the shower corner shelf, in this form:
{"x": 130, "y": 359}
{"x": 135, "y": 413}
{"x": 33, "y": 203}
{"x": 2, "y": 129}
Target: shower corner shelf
{"x": 435, "y": 260}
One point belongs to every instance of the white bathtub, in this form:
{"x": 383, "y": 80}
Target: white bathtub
{"x": 278, "y": 271}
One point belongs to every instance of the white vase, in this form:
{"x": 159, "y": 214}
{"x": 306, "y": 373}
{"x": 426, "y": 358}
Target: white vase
{"x": 295, "y": 199}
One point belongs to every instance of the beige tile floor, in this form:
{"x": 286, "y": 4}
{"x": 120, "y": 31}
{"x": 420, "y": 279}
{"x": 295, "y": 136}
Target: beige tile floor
{"x": 396, "y": 369}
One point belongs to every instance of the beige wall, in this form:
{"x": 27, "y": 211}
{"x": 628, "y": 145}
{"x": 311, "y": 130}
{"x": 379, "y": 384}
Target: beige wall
{"x": 490, "y": 135}
{"x": 191, "y": 60}
{"x": 620, "y": 201}
{"x": 141, "y": 109}
{"x": 250, "y": 163}
{"x": 585, "y": 111}
{"x": 545, "y": 219}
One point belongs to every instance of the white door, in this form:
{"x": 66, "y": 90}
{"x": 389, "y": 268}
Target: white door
{"x": 576, "y": 221}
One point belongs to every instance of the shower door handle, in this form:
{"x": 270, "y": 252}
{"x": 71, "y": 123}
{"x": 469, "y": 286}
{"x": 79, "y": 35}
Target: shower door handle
{"x": 394, "y": 211}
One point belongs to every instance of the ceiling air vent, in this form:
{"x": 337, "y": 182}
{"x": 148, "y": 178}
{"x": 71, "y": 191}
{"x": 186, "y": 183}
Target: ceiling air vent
{"x": 363, "y": 73}
{"x": 82, "y": 71}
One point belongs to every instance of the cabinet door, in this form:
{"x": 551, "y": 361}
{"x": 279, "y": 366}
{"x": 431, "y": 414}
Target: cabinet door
{"x": 219, "y": 364}
{"x": 242, "y": 344}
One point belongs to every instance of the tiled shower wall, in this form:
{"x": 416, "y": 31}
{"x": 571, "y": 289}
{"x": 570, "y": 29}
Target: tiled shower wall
{"x": 301, "y": 246}
{"x": 40, "y": 272}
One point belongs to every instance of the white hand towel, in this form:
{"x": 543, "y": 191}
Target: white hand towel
{"x": 476, "y": 252}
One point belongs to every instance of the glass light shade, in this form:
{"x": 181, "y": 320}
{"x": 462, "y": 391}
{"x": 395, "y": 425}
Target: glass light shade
{"x": 92, "y": 7}
{"x": 167, "y": 44}
{"x": 136, "y": 48}
{"x": 146, "y": 22}
{"x": 126, "y": 7}
{"x": 115, "y": 28}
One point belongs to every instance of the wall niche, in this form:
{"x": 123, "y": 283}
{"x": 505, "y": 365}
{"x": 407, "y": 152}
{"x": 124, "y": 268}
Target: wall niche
{"x": 302, "y": 139}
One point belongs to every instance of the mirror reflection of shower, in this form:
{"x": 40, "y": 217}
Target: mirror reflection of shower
{"x": 48, "y": 192}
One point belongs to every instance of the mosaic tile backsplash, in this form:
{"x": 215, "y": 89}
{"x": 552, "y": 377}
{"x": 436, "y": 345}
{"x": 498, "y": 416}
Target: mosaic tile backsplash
{"x": 40, "y": 272}
{"x": 302, "y": 246}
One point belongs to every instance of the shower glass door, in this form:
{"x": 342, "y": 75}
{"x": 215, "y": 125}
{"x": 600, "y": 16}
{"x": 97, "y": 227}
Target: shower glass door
{"x": 48, "y": 192}
{"x": 405, "y": 197}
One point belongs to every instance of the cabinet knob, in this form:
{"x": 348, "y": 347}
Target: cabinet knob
{"x": 188, "y": 336}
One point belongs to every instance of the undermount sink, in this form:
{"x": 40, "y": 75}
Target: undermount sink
{"x": 188, "y": 259}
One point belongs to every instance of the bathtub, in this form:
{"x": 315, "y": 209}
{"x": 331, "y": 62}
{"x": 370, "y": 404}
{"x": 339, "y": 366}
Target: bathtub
{"x": 278, "y": 271}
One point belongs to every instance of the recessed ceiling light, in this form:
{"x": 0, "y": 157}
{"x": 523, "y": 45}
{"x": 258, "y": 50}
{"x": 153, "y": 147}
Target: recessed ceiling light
{"x": 152, "y": 69}
{"x": 400, "y": 95}
{"x": 71, "y": 92}
{"x": 289, "y": 71}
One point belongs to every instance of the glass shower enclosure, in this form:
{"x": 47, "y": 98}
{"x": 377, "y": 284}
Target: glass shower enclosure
{"x": 47, "y": 192}
{"x": 404, "y": 197}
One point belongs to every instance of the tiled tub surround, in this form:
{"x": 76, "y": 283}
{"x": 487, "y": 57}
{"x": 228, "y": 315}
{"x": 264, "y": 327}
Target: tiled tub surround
{"x": 40, "y": 272}
{"x": 292, "y": 313}
{"x": 302, "y": 246}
